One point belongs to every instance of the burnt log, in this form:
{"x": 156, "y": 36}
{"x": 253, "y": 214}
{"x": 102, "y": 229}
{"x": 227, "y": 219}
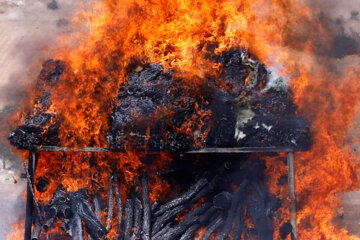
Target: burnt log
{"x": 137, "y": 218}
{"x": 147, "y": 209}
{"x": 162, "y": 220}
{"x": 162, "y": 232}
{"x": 49, "y": 223}
{"x": 155, "y": 206}
{"x": 259, "y": 212}
{"x": 129, "y": 218}
{"x": 97, "y": 208}
{"x": 192, "y": 218}
{"x": 110, "y": 203}
{"x": 77, "y": 232}
{"x": 80, "y": 207}
{"x": 190, "y": 232}
{"x": 239, "y": 225}
{"x": 213, "y": 227}
{"x": 37, "y": 230}
{"x": 237, "y": 197}
{"x": 186, "y": 196}
{"x": 222, "y": 200}
{"x": 207, "y": 216}
{"x": 118, "y": 202}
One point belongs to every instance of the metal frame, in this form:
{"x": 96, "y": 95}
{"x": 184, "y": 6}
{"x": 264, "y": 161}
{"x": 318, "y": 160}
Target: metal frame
{"x": 33, "y": 157}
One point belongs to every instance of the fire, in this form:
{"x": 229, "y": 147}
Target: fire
{"x": 185, "y": 36}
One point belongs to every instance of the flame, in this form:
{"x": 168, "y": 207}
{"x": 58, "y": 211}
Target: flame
{"x": 185, "y": 36}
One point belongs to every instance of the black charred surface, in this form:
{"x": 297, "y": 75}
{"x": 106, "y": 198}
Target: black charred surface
{"x": 146, "y": 91}
{"x": 252, "y": 107}
{"x": 248, "y": 104}
{"x": 74, "y": 210}
{"x": 210, "y": 202}
{"x": 39, "y": 127}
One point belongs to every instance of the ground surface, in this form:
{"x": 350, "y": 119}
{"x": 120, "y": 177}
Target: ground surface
{"x": 28, "y": 27}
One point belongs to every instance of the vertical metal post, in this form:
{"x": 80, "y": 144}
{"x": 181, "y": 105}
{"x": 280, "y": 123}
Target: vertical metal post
{"x": 29, "y": 198}
{"x": 291, "y": 179}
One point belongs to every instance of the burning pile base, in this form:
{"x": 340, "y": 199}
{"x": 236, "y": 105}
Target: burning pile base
{"x": 209, "y": 207}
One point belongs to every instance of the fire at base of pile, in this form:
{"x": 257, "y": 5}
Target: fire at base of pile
{"x": 230, "y": 200}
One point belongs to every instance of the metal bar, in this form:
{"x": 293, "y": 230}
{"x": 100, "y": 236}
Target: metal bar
{"x": 243, "y": 150}
{"x": 29, "y": 198}
{"x": 291, "y": 179}
{"x": 205, "y": 150}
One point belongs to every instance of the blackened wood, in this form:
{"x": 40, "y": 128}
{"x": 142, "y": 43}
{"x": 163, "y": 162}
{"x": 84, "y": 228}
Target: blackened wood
{"x": 222, "y": 200}
{"x": 186, "y": 196}
{"x": 162, "y": 220}
{"x": 137, "y": 218}
{"x": 77, "y": 232}
{"x": 162, "y": 232}
{"x": 239, "y": 225}
{"x": 190, "y": 232}
{"x": 207, "y": 188}
{"x": 231, "y": 215}
{"x": 129, "y": 218}
{"x": 110, "y": 203}
{"x": 29, "y": 199}
{"x": 261, "y": 217}
{"x": 191, "y": 219}
{"x": 64, "y": 211}
{"x": 206, "y": 217}
{"x": 147, "y": 209}
{"x": 213, "y": 226}
{"x": 118, "y": 202}
{"x": 48, "y": 224}
{"x": 97, "y": 208}
{"x": 37, "y": 230}
{"x": 82, "y": 208}
{"x": 155, "y": 206}
{"x": 67, "y": 226}
{"x": 59, "y": 196}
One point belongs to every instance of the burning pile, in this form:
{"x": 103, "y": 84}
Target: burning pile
{"x": 157, "y": 111}
{"x": 207, "y": 204}
{"x": 172, "y": 76}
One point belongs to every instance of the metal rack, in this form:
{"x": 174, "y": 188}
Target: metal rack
{"x": 33, "y": 158}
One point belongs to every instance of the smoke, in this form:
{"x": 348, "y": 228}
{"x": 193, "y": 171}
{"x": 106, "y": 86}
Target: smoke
{"x": 29, "y": 30}
{"x": 341, "y": 22}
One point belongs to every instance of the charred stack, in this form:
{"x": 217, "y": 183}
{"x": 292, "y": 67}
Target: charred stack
{"x": 207, "y": 204}
{"x": 247, "y": 104}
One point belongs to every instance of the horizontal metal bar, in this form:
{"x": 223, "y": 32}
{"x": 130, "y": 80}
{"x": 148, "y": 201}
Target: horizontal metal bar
{"x": 242, "y": 150}
{"x": 205, "y": 150}
{"x": 72, "y": 149}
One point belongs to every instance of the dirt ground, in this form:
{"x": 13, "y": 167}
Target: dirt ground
{"x": 26, "y": 28}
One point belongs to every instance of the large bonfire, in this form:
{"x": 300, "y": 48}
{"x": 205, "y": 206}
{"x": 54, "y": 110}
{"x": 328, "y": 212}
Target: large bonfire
{"x": 185, "y": 37}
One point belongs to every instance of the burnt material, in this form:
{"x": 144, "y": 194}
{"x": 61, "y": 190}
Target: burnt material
{"x": 147, "y": 209}
{"x": 40, "y": 126}
{"x": 82, "y": 208}
{"x": 248, "y": 106}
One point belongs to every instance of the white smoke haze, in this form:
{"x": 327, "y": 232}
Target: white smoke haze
{"x": 28, "y": 33}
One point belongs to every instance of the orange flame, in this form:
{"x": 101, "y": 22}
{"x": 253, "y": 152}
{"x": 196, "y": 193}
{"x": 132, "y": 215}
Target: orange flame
{"x": 183, "y": 35}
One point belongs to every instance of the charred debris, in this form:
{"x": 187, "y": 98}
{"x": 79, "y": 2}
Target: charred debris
{"x": 210, "y": 202}
{"x": 252, "y": 106}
